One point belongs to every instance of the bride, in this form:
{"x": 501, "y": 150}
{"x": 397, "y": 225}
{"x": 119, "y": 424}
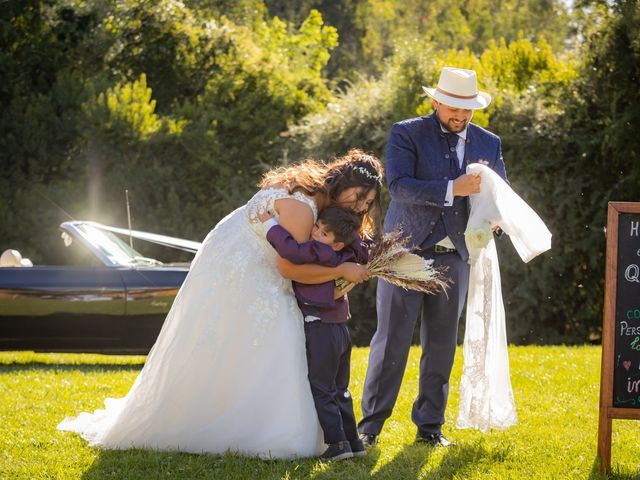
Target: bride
{"x": 228, "y": 370}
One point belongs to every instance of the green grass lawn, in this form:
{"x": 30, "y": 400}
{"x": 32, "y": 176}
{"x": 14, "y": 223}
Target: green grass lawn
{"x": 556, "y": 391}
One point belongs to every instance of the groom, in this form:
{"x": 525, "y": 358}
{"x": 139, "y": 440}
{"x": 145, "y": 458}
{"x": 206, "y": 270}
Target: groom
{"x": 426, "y": 161}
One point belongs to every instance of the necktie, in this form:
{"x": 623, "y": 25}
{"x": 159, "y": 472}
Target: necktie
{"x": 452, "y": 142}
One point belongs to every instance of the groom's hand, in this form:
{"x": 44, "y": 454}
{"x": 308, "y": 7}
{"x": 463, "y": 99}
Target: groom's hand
{"x": 466, "y": 185}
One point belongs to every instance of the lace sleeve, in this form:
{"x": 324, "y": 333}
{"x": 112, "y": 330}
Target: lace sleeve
{"x": 264, "y": 200}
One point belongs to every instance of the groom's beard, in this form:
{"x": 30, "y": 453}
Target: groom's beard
{"x": 452, "y": 126}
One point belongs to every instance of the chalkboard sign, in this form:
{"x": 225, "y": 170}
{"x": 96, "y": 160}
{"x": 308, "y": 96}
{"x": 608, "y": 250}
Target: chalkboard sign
{"x": 620, "y": 375}
{"x": 626, "y": 384}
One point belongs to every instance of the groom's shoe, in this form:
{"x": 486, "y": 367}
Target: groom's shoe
{"x": 357, "y": 447}
{"x": 337, "y": 451}
{"x": 369, "y": 439}
{"x": 433, "y": 439}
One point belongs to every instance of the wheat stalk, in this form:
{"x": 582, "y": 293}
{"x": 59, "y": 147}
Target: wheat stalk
{"x": 392, "y": 261}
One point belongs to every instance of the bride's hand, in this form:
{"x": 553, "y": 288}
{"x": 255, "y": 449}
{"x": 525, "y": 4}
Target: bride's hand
{"x": 354, "y": 272}
{"x": 265, "y": 215}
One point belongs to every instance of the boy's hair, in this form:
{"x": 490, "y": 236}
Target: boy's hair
{"x": 342, "y": 222}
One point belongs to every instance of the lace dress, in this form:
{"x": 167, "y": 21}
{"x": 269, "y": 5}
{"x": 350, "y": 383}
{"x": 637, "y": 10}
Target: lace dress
{"x": 228, "y": 370}
{"x": 486, "y": 397}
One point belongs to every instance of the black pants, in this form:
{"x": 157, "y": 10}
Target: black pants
{"x": 329, "y": 359}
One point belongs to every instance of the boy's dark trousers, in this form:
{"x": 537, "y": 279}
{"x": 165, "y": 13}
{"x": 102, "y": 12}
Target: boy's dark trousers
{"x": 329, "y": 359}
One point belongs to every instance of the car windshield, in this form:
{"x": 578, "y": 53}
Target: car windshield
{"x": 118, "y": 251}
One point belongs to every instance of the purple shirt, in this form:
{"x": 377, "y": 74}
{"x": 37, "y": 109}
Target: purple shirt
{"x": 317, "y": 299}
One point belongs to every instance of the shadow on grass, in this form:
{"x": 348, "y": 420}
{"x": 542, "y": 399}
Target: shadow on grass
{"x": 463, "y": 460}
{"x": 83, "y": 367}
{"x": 146, "y": 464}
{"x": 410, "y": 463}
{"x": 406, "y": 465}
{"x": 615, "y": 474}
{"x": 457, "y": 462}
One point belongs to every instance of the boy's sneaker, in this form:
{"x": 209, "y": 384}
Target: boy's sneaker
{"x": 357, "y": 448}
{"x": 337, "y": 451}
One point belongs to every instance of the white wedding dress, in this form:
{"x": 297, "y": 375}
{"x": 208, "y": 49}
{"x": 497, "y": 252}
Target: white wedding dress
{"x": 228, "y": 371}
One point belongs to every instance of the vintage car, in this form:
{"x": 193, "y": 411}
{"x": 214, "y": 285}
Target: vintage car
{"x": 106, "y": 297}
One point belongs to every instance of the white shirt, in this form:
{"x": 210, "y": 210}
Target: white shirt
{"x": 462, "y": 141}
{"x": 448, "y": 199}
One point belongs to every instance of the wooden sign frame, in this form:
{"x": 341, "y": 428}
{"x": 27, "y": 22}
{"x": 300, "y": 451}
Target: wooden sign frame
{"x": 607, "y": 411}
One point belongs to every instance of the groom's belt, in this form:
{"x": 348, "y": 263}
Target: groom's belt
{"x": 439, "y": 249}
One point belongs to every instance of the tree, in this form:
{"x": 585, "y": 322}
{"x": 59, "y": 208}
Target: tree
{"x": 372, "y": 30}
{"x": 526, "y": 80}
{"x": 182, "y": 107}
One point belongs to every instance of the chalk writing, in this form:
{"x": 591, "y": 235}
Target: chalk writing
{"x": 626, "y": 385}
{"x": 633, "y": 313}
{"x": 627, "y": 331}
{"x": 632, "y": 273}
{"x": 628, "y": 401}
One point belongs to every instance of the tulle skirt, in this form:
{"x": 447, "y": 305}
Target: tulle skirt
{"x": 228, "y": 371}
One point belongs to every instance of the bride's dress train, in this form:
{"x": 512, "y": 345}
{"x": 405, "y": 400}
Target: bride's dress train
{"x": 228, "y": 370}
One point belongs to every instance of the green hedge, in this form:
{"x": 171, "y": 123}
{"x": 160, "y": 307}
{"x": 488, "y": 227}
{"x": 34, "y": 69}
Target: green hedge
{"x": 570, "y": 144}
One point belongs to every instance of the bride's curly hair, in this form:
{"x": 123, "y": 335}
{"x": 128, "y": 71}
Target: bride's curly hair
{"x": 355, "y": 169}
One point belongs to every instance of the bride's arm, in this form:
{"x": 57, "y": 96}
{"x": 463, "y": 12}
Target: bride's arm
{"x": 297, "y": 219}
{"x": 312, "y": 274}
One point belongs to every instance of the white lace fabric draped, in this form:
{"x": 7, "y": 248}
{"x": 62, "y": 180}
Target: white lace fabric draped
{"x": 486, "y": 396}
{"x": 228, "y": 371}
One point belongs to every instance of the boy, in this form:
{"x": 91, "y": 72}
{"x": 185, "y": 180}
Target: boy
{"x": 335, "y": 240}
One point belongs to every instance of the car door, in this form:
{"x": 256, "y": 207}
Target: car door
{"x": 61, "y": 308}
{"x": 150, "y": 292}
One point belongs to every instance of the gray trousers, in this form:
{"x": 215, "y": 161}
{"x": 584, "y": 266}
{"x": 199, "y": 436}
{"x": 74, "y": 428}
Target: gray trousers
{"x": 398, "y": 310}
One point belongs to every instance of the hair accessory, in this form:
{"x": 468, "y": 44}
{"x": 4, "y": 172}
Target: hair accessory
{"x": 367, "y": 173}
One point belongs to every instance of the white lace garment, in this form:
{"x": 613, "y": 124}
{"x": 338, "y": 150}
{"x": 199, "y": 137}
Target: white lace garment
{"x": 228, "y": 370}
{"x": 486, "y": 396}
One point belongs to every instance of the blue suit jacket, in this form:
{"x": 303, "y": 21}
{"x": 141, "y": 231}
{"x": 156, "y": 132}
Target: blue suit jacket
{"x": 418, "y": 171}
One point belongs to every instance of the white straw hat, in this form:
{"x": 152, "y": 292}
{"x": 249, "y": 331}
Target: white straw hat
{"x": 458, "y": 88}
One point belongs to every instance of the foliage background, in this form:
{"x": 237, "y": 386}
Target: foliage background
{"x": 185, "y": 104}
